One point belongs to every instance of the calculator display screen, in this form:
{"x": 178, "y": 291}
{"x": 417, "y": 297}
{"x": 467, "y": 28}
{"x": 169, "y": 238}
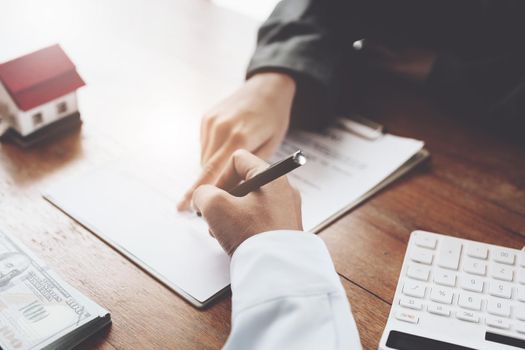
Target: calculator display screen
{"x": 503, "y": 339}
{"x": 404, "y": 341}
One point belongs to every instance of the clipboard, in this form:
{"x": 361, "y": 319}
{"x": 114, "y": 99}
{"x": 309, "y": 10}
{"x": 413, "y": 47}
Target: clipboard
{"x": 370, "y": 130}
{"x": 66, "y": 196}
{"x": 143, "y": 265}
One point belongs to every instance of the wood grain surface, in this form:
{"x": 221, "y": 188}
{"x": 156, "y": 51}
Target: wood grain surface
{"x": 152, "y": 69}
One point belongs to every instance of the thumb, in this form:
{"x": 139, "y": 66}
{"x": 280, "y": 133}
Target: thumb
{"x": 208, "y": 198}
{"x": 243, "y": 165}
{"x": 209, "y": 174}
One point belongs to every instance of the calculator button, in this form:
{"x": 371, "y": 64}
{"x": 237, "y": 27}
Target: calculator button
{"x": 425, "y": 240}
{"x": 445, "y": 278}
{"x": 474, "y": 284}
{"x": 418, "y": 272}
{"x": 407, "y": 316}
{"x": 414, "y": 289}
{"x": 498, "y": 307}
{"x": 520, "y": 327}
{"x": 520, "y": 294}
{"x": 502, "y": 272}
{"x": 521, "y": 276}
{"x": 438, "y": 309}
{"x": 498, "y": 322}
{"x": 441, "y": 295}
{"x": 477, "y": 251}
{"x": 522, "y": 258}
{"x": 449, "y": 253}
{"x": 504, "y": 256}
{"x": 520, "y": 312}
{"x": 470, "y": 301}
{"x": 411, "y": 303}
{"x": 422, "y": 256}
{"x": 475, "y": 267}
{"x": 468, "y": 316}
{"x": 500, "y": 289}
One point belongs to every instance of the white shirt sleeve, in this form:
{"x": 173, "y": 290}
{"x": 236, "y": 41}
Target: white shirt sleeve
{"x": 286, "y": 294}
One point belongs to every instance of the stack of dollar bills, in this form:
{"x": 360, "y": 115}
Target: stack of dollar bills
{"x": 38, "y": 309}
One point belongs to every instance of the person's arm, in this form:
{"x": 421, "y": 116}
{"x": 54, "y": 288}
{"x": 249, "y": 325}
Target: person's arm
{"x": 255, "y": 117}
{"x": 294, "y": 71}
{"x": 307, "y": 40}
{"x": 286, "y": 293}
{"x": 478, "y": 70}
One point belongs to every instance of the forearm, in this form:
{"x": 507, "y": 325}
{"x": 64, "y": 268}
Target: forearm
{"x": 306, "y": 40}
{"x": 286, "y": 294}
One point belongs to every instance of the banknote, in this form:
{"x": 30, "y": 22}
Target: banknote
{"x": 4, "y": 125}
{"x": 38, "y": 309}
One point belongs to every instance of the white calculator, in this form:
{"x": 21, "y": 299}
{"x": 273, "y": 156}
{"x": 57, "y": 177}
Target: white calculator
{"x": 457, "y": 294}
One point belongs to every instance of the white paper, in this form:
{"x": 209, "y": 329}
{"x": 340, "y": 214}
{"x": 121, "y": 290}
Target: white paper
{"x": 341, "y": 167}
{"x": 135, "y": 210}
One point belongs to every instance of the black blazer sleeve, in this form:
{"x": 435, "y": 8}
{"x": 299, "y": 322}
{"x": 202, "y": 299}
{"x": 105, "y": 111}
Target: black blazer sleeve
{"x": 306, "y": 39}
{"x": 481, "y": 60}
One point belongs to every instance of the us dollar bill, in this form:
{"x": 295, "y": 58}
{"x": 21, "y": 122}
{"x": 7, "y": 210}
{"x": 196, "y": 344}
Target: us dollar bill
{"x": 4, "y": 125}
{"x": 38, "y": 309}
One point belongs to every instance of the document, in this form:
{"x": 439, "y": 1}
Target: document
{"x": 341, "y": 168}
{"x": 38, "y": 310}
{"x": 131, "y": 203}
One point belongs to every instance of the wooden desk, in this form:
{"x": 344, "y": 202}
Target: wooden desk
{"x": 152, "y": 68}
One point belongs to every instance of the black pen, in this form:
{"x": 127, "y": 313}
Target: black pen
{"x": 273, "y": 172}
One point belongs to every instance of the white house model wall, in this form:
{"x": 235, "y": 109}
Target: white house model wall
{"x": 38, "y": 117}
{"x": 36, "y": 90}
{"x": 8, "y": 109}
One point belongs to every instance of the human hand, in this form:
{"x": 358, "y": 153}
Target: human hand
{"x": 232, "y": 220}
{"x": 256, "y": 118}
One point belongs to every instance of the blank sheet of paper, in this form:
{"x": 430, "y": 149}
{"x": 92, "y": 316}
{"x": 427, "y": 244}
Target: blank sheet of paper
{"x": 132, "y": 206}
{"x": 131, "y": 203}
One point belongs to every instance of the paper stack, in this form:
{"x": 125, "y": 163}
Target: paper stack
{"x": 38, "y": 309}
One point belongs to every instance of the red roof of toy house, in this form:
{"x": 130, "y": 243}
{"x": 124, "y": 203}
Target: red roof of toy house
{"x": 39, "y": 77}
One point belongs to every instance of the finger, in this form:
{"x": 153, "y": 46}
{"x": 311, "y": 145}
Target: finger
{"x": 204, "y": 132}
{"x": 266, "y": 150}
{"x": 211, "y": 171}
{"x": 207, "y": 198}
{"x": 218, "y": 134}
{"x": 242, "y": 166}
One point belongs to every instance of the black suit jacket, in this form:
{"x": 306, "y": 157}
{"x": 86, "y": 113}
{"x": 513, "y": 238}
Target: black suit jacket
{"x": 480, "y": 46}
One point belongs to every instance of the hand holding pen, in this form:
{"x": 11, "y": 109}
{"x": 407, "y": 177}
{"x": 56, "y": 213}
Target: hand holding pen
{"x": 263, "y": 201}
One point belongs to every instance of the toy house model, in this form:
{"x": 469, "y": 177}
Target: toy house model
{"x": 38, "y": 95}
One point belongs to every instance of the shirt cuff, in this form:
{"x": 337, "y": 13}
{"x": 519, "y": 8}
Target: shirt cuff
{"x": 284, "y": 263}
